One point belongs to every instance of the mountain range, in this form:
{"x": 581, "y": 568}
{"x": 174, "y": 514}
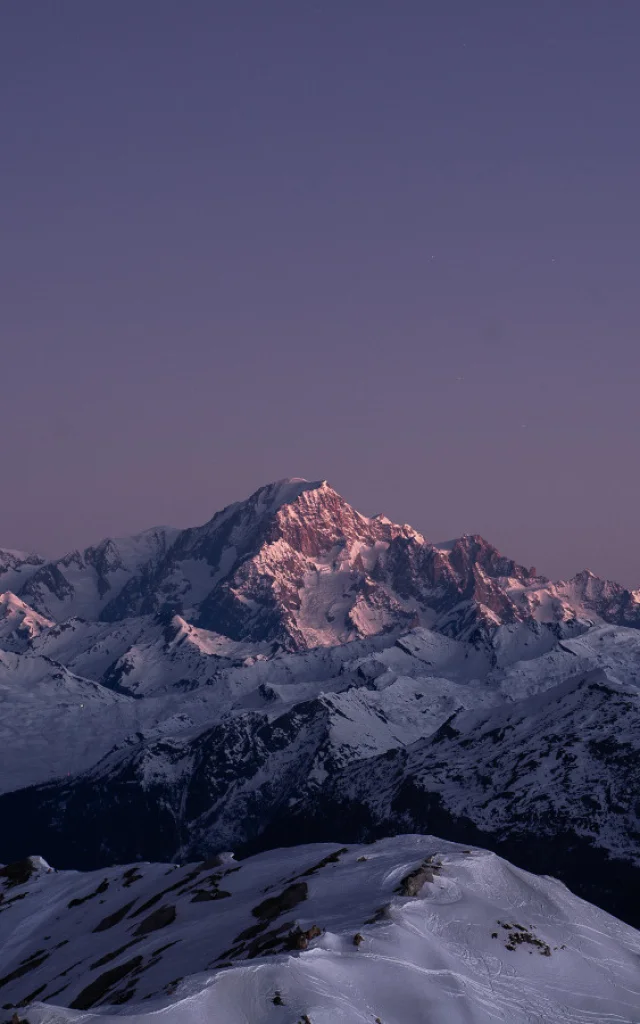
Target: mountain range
{"x": 294, "y": 671}
{"x": 296, "y": 567}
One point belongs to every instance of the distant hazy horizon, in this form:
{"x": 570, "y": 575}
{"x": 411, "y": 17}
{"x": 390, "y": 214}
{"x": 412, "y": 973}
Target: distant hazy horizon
{"x": 394, "y": 245}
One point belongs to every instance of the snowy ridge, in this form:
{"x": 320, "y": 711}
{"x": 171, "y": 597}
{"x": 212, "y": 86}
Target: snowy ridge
{"x": 187, "y": 744}
{"x": 431, "y": 931}
{"x": 19, "y": 624}
{"x": 83, "y": 582}
{"x": 559, "y": 761}
{"x": 297, "y": 566}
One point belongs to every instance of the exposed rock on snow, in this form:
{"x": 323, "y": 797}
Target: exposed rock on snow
{"x": 471, "y": 940}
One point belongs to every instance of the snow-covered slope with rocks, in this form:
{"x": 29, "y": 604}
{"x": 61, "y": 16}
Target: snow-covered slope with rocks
{"x": 526, "y": 738}
{"x": 16, "y": 567}
{"x": 84, "y": 582}
{"x": 402, "y": 931}
{"x": 19, "y": 623}
{"x": 52, "y": 722}
{"x": 292, "y": 668}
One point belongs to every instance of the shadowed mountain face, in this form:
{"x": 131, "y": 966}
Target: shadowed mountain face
{"x": 295, "y": 565}
{"x": 527, "y": 742}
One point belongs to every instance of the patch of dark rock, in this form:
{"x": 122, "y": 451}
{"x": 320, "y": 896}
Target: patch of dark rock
{"x": 64, "y": 973}
{"x": 299, "y": 939}
{"x": 160, "y": 918}
{"x": 331, "y": 858}
{"x": 57, "y": 992}
{"x": 14, "y": 899}
{"x": 274, "y": 939}
{"x": 32, "y": 995}
{"x": 115, "y": 918}
{"x": 290, "y": 897}
{"x": 104, "y": 885}
{"x": 212, "y": 880}
{"x": 32, "y": 956}
{"x": 231, "y": 954}
{"x": 358, "y": 939}
{"x": 130, "y": 876}
{"x": 277, "y": 1000}
{"x": 251, "y": 932}
{"x": 99, "y": 988}
{"x": 202, "y": 896}
{"x": 108, "y": 957}
{"x": 151, "y": 902}
{"x": 412, "y": 883}
{"x": 61, "y": 944}
{"x": 379, "y": 914}
{"x": 23, "y": 969}
{"x": 161, "y": 949}
{"x": 123, "y": 995}
{"x": 163, "y": 892}
{"x": 518, "y": 936}
{"x": 18, "y": 872}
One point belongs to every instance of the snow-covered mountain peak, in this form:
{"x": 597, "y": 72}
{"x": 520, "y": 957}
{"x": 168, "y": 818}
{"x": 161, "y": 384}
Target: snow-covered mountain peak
{"x": 260, "y": 506}
{"x": 283, "y": 492}
{"x": 82, "y": 583}
{"x": 16, "y": 567}
{"x": 19, "y": 623}
{"x": 295, "y": 564}
{"x": 12, "y": 557}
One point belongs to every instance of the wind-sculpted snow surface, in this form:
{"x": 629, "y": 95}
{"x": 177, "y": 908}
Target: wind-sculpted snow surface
{"x": 402, "y": 931}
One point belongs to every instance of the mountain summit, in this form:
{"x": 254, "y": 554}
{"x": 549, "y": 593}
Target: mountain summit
{"x": 294, "y": 670}
{"x": 294, "y": 565}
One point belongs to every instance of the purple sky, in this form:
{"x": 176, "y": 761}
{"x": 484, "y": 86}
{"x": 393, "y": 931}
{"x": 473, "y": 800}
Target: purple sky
{"x": 393, "y": 243}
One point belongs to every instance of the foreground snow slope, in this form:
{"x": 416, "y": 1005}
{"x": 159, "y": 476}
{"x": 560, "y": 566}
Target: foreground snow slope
{"x": 410, "y": 930}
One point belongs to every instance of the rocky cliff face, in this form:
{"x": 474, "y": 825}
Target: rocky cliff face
{"x": 295, "y": 565}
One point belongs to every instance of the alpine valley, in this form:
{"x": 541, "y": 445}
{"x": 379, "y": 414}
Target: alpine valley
{"x": 294, "y": 673}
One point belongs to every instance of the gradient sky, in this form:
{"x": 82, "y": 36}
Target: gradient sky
{"x": 390, "y": 243}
